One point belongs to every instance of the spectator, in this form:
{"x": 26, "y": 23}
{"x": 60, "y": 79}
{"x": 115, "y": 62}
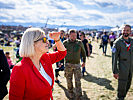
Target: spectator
{"x": 60, "y": 64}
{"x": 112, "y": 38}
{"x": 7, "y": 43}
{"x": 66, "y": 36}
{"x": 7, "y": 54}
{"x": 78, "y": 34}
{"x": 2, "y": 42}
{"x": 75, "y": 48}
{"x": 33, "y": 78}
{"x": 122, "y": 55}
{"x": 104, "y": 41}
{"x": 17, "y": 54}
{"x": 4, "y": 75}
{"x": 97, "y": 36}
{"x": 86, "y": 46}
{"x": 17, "y": 42}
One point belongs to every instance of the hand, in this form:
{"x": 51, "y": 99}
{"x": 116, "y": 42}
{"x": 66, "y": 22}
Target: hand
{"x": 83, "y": 65}
{"x": 54, "y": 35}
{"x": 116, "y": 76}
{"x": 88, "y": 54}
{"x": 59, "y": 66}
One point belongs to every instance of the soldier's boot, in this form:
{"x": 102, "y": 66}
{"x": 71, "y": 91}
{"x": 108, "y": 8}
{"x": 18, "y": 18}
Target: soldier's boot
{"x": 79, "y": 98}
{"x": 71, "y": 95}
{"x": 122, "y": 98}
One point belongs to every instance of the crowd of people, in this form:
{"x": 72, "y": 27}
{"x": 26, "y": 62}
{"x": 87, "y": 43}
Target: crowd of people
{"x": 32, "y": 76}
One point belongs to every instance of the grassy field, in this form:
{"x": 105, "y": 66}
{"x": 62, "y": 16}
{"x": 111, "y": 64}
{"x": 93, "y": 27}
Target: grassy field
{"x": 97, "y": 84}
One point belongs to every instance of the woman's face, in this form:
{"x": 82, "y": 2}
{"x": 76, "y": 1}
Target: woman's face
{"x": 42, "y": 45}
{"x": 81, "y": 36}
{"x": 62, "y": 35}
{"x": 7, "y": 55}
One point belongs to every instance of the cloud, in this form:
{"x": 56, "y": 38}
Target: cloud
{"x": 59, "y": 11}
{"x": 104, "y": 4}
{"x": 1, "y": 17}
{"x": 109, "y": 3}
{"x": 6, "y": 6}
{"x": 62, "y": 5}
{"x": 36, "y": 10}
{"x": 95, "y": 17}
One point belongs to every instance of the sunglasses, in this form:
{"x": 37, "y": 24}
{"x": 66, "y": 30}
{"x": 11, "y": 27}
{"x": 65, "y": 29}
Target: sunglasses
{"x": 44, "y": 39}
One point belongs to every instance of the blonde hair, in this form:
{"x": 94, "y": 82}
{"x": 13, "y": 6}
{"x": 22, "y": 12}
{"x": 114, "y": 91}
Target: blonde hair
{"x": 27, "y": 41}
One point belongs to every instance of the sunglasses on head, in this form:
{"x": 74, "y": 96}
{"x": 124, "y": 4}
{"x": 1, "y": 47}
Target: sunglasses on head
{"x": 44, "y": 39}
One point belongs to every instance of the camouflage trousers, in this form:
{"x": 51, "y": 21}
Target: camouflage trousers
{"x": 71, "y": 69}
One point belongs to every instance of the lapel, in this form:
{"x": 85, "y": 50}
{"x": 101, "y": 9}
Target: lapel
{"x": 47, "y": 66}
{"x": 131, "y": 42}
{"x": 36, "y": 72}
{"x": 123, "y": 41}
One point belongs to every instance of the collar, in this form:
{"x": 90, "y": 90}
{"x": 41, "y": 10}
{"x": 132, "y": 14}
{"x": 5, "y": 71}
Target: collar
{"x": 72, "y": 41}
{"x": 29, "y": 61}
{"x": 121, "y": 38}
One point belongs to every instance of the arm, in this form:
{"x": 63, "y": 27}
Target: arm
{"x": 83, "y": 54}
{"x": 57, "y": 56}
{"x": 60, "y": 46}
{"x": 115, "y": 57}
{"x": 101, "y": 40}
{"x": 17, "y": 84}
{"x": 11, "y": 62}
{"x": 88, "y": 49}
{"x": 61, "y": 53}
{"x": 58, "y": 43}
{"x": 108, "y": 40}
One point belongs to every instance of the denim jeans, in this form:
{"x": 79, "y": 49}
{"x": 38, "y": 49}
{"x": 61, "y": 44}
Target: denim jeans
{"x": 104, "y": 48}
{"x": 83, "y": 68}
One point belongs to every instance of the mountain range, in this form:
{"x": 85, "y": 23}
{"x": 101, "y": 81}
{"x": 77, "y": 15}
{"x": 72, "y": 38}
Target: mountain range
{"x": 98, "y": 27}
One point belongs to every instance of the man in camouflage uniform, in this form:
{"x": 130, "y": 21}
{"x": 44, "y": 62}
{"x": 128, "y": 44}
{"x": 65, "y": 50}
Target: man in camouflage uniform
{"x": 75, "y": 48}
{"x": 122, "y": 61}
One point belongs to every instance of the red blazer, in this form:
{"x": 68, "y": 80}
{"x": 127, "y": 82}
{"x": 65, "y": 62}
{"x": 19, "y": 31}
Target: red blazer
{"x": 26, "y": 82}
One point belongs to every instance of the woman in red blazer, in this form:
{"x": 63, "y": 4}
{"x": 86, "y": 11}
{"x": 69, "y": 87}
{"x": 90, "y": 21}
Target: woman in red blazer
{"x": 32, "y": 78}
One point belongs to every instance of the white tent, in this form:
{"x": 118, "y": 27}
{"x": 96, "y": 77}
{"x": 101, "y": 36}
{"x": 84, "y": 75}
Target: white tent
{"x": 115, "y": 29}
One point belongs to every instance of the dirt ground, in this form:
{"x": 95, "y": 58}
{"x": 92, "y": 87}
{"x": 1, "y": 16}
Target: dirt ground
{"x": 97, "y": 84}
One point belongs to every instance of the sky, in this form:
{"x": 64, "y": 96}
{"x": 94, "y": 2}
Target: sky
{"x": 68, "y": 12}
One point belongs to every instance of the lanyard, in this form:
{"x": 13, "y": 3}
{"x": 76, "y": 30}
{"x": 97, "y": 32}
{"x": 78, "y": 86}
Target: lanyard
{"x": 128, "y": 45}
